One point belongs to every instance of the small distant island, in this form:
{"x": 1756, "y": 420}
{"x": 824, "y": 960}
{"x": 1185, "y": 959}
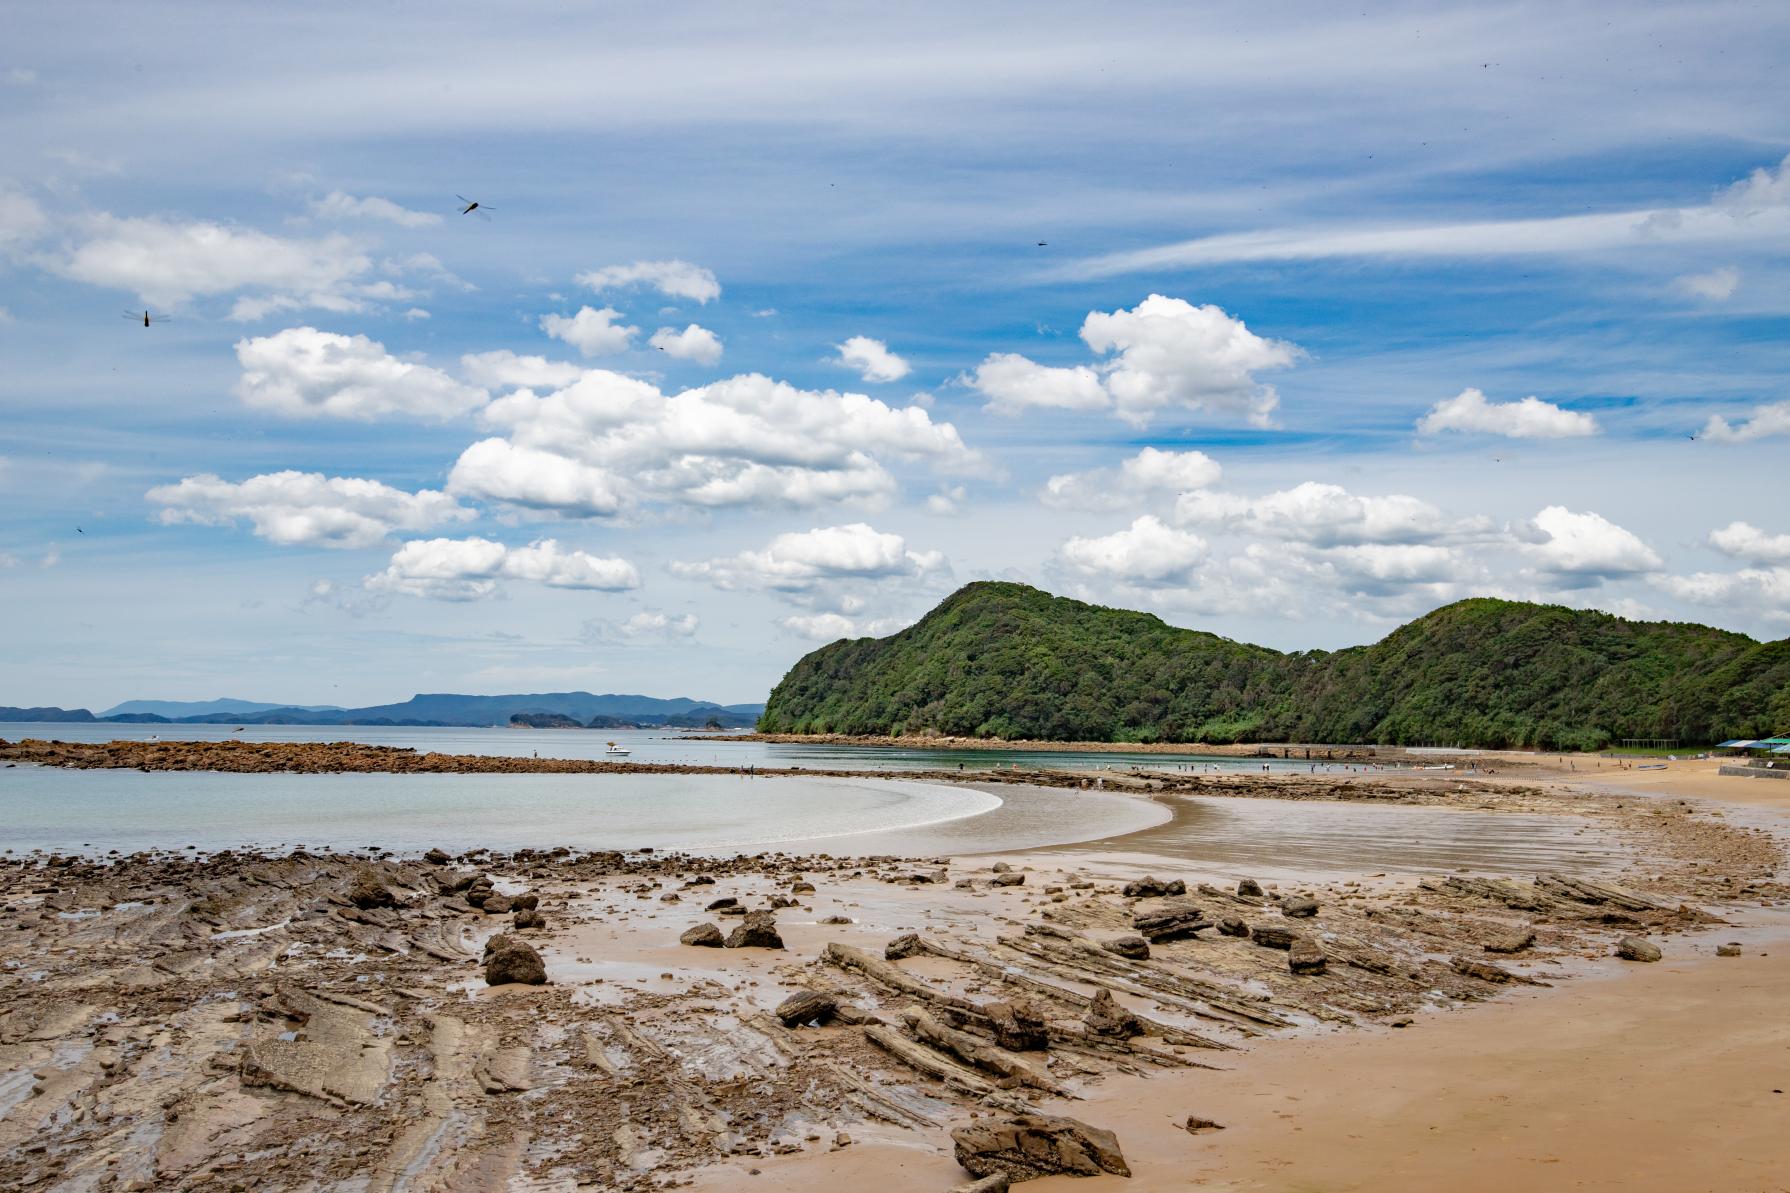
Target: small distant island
{"x": 555, "y": 720}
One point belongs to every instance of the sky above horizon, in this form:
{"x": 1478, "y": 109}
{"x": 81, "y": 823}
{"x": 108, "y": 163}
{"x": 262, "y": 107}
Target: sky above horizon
{"x": 1286, "y": 324}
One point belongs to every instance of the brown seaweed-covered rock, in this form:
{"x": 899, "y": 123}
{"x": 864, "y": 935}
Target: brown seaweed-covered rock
{"x": 1029, "y": 1146}
{"x": 1633, "y": 948}
{"x": 906, "y": 945}
{"x": 1134, "y": 947}
{"x": 757, "y": 931}
{"x": 806, "y": 1006}
{"x": 1173, "y": 921}
{"x": 1018, "y": 1026}
{"x": 1105, "y": 1017}
{"x": 1305, "y": 957}
{"x": 368, "y": 892}
{"x": 1270, "y": 937}
{"x": 1150, "y": 887}
{"x": 514, "y": 961}
{"x": 703, "y": 936}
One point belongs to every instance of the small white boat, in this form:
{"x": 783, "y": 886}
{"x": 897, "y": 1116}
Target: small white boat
{"x": 615, "y": 751}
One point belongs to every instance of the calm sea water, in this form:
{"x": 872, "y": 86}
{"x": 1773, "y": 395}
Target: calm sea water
{"x": 647, "y": 745}
{"x": 94, "y": 811}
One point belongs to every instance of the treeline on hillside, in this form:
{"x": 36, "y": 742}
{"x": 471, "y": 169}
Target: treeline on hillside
{"x": 1009, "y": 661}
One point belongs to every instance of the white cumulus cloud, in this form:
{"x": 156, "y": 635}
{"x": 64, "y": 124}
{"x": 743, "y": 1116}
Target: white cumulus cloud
{"x": 1152, "y": 472}
{"x": 307, "y": 508}
{"x": 675, "y": 279}
{"x": 504, "y": 369}
{"x": 693, "y": 343}
{"x": 797, "y": 562}
{"x": 1531, "y": 418}
{"x": 1764, "y": 421}
{"x": 1742, "y": 540}
{"x": 872, "y": 359}
{"x": 339, "y": 205}
{"x": 1014, "y": 383}
{"x": 166, "y": 262}
{"x": 1323, "y": 515}
{"x": 1163, "y": 353}
{"x": 1586, "y": 547}
{"x": 470, "y": 568}
{"x": 593, "y": 332}
{"x": 1146, "y": 553}
{"x": 819, "y": 627}
{"x": 302, "y": 371}
{"x": 620, "y": 442}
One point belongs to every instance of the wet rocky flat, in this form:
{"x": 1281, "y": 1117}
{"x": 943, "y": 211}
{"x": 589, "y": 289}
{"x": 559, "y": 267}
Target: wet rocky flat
{"x": 362, "y": 1020}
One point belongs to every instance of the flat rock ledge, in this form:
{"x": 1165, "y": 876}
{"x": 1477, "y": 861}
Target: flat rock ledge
{"x": 1029, "y": 1146}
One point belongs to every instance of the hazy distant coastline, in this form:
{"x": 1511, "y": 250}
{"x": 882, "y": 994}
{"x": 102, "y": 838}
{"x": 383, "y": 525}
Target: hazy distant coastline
{"x": 423, "y": 709}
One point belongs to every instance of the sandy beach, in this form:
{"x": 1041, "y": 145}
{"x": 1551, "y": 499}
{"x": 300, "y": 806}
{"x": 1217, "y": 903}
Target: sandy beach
{"x": 302, "y": 1021}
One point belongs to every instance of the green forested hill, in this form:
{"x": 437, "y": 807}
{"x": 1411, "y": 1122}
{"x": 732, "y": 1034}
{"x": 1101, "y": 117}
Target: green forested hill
{"x": 1009, "y": 661}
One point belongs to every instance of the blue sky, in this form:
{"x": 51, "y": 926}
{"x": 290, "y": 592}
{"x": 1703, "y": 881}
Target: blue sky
{"x": 1269, "y": 375}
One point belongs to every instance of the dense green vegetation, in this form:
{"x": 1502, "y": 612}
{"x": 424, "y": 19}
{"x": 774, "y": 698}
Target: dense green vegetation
{"x": 1008, "y": 661}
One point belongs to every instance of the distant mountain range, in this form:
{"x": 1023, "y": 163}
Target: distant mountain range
{"x": 174, "y": 709}
{"x": 430, "y": 708}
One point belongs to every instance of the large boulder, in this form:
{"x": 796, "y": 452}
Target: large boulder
{"x": 1270, "y": 937}
{"x": 908, "y": 944}
{"x": 1105, "y": 1017}
{"x": 1305, "y": 957}
{"x": 806, "y": 1006}
{"x": 703, "y": 936}
{"x": 1249, "y": 888}
{"x": 757, "y": 931}
{"x": 1633, "y": 948}
{"x": 1029, "y": 1146}
{"x": 514, "y": 961}
{"x": 1018, "y": 1026}
{"x": 1172, "y": 921}
{"x": 1150, "y": 887}
{"x": 1136, "y": 948}
{"x": 368, "y": 892}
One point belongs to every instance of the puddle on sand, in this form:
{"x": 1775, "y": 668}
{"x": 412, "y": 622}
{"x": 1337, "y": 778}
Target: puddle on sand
{"x": 1292, "y": 838}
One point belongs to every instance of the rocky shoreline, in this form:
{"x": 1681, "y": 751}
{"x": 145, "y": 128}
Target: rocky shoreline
{"x": 240, "y": 1021}
{"x": 1296, "y": 751}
